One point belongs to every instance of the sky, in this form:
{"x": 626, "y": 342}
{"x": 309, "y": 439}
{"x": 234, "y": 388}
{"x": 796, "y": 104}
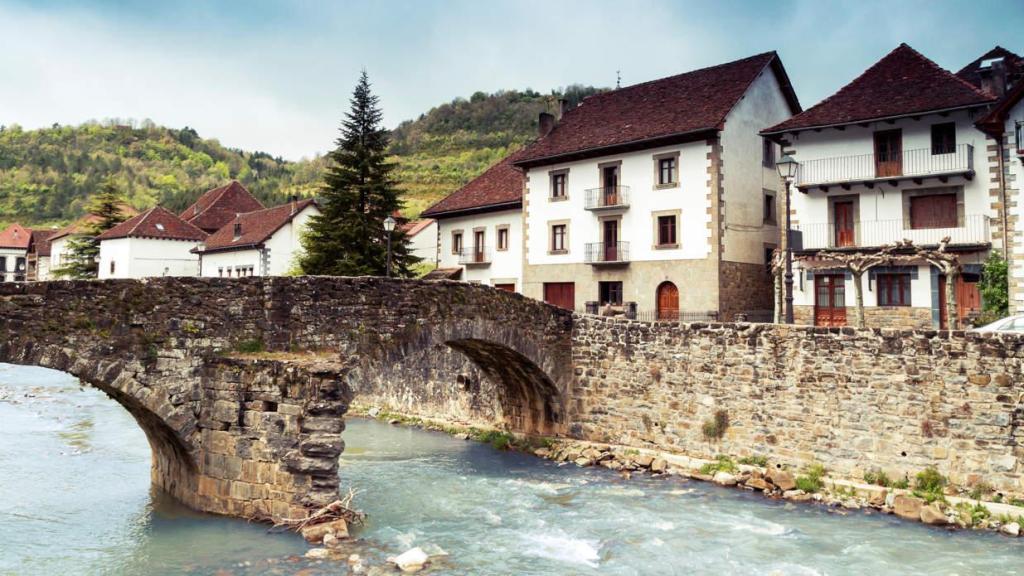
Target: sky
{"x": 276, "y": 76}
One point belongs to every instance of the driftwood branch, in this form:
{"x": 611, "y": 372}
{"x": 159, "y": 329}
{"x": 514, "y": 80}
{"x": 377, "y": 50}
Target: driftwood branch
{"x": 337, "y": 510}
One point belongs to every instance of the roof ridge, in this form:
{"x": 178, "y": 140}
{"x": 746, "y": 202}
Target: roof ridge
{"x": 935, "y": 65}
{"x": 694, "y": 71}
{"x": 142, "y": 218}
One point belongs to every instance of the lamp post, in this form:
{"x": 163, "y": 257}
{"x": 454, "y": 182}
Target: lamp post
{"x": 389, "y": 226}
{"x": 787, "y": 171}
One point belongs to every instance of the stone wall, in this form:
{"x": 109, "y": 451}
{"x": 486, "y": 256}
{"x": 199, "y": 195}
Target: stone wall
{"x": 744, "y": 287}
{"x": 851, "y": 400}
{"x": 895, "y": 317}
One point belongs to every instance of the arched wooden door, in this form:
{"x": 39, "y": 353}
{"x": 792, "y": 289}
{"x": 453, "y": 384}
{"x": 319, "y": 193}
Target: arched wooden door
{"x": 668, "y": 301}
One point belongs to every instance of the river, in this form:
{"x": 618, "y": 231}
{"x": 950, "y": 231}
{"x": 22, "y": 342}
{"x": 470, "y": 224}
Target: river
{"x": 75, "y": 498}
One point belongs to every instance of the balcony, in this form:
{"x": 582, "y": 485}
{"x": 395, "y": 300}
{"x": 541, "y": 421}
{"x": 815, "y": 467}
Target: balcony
{"x": 974, "y": 230}
{"x": 607, "y": 198}
{"x": 598, "y": 253}
{"x": 475, "y": 256}
{"x": 870, "y": 168}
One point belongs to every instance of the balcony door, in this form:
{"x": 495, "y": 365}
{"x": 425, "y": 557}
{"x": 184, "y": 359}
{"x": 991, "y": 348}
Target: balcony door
{"x": 842, "y": 215}
{"x": 611, "y": 241}
{"x": 478, "y": 246}
{"x": 888, "y": 153}
{"x": 610, "y": 176}
{"x": 829, "y": 300}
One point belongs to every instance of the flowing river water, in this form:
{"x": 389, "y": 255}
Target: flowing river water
{"x": 75, "y": 498}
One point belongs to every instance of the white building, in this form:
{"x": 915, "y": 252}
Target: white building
{"x": 480, "y": 229}
{"x": 422, "y": 237}
{"x": 894, "y": 155}
{"x": 660, "y": 194}
{"x": 152, "y": 244}
{"x": 261, "y": 243}
{"x": 14, "y": 246}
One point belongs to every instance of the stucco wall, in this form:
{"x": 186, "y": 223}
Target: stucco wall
{"x": 424, "y": 244}
{"x": 1015, "y": 201}
{"x": 506, "y": 266}
{"x": 278, "y": 258}
{"x": 147, "y": 258}
{"x": 11, "y": 256}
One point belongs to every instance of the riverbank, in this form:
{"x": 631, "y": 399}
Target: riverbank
{"x": 927, "y": 498}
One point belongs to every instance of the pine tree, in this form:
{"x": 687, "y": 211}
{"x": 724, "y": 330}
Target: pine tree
{"x": 347, "y": 238}
{"x": 82, "y": 260}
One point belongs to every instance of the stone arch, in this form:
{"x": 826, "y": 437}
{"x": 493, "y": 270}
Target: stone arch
{"x": 168, "y": 429}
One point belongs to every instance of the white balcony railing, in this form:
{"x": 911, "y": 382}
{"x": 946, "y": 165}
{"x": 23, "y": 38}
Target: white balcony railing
{"x": 869, "y": 167}
{"x": 475, "y": 256}
{"x": 815, "y": 236}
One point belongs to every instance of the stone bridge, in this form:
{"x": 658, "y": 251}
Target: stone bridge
{"x": 241, "y": 385}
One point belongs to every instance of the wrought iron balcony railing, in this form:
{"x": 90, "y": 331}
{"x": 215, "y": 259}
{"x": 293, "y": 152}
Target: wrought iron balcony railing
{"x": 607, "y": 197}
{"x": 974, "y": 229}
{"x": 870, "y": 167}
{"x": 606, "y": 253}
{"x": 475, "y": 256}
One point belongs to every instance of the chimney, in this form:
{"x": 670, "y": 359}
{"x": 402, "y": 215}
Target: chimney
{"x": 545, "y": 124}
{"x": 993, "y": 76}
{"x": 563, "y": 107}
{"x": 294, "y": 199}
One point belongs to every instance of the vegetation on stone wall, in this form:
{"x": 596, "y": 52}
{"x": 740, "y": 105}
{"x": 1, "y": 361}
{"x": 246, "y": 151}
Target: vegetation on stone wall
{"x": 994, "y": 287}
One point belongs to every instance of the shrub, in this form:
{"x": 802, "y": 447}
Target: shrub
{"x": 877, "y": 477}
{"x": 980, "y": 490}
{"x": 761, "y": 461}
{"x": 497, "y": 439}
{"x": 251, "y": 346}
{"x": 811, "y": 482}
{"x": 714, "y": 428}
{"x": 722, "y": 463}
{"x": 902, "y": 483}
{"x": 928, "y": 485}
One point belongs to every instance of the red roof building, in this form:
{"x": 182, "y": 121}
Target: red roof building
{"x": 16, "y": 237}
{"x": 681, "y": 108}
{"x": 219, "y": 206}
{"x": 252, "y": 229}
{"x": 500, "y": 187}
{"x": 903, "y": 83}
{"x": 158, "y": 223}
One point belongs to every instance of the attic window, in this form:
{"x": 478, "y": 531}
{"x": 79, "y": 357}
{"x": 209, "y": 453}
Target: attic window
{"x": 160, "y": 227}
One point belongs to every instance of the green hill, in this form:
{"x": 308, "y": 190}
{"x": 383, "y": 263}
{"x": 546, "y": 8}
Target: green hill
{"x": 46, "y": 174}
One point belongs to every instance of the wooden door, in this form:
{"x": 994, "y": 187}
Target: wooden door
{"x": 506, "y": 287}
{"x": 888, "y": 153}
{"x": 611, "y": 185}
{"x": 561, "y": 294}
{"x": 968, "y": 300}
{"x": 842, "y": 215}
{"x": 668, "y": 301}
{"x": 830, "y": 300}
{"x": 611, "y": 241}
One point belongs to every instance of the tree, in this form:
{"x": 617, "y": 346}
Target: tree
{"x": 994, "y": 287}
{"x": 347, "y": 238}
{"x": 857, "y": 263}
{"x": 104, "y": 212}
{"x": 778, "y": 271}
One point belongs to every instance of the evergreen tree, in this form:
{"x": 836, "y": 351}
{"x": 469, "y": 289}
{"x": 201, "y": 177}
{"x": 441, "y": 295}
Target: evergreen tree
{"x": 104, "y": 210}
{"x": 347, "y": 238}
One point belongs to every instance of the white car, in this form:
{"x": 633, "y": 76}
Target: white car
{"x": 1008, "y": 324}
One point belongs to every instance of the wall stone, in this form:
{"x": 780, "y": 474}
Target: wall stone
{"x": 849, "y": 399}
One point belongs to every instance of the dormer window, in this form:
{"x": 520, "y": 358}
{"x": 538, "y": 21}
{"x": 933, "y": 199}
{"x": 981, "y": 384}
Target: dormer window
{"x": 238, "y": 230}
{"x": 159, "y": 226}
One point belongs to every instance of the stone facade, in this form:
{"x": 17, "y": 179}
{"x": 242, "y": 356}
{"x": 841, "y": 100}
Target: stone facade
{"x": 896, "y": 317}
{"x": 849, "y": 399}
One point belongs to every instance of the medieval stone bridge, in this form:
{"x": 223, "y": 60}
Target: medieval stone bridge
{"x": 241, "y": 384}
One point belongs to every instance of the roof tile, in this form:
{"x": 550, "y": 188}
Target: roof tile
{"x": 501, "y": 184}
{"x": 16, "y": 236}
{"x": 256, "y": 226}
{"x": 157, "y": 222}
{"x": 217, "y": 207}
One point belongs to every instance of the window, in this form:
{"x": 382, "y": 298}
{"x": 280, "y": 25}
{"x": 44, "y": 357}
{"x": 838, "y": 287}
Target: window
{"x": 503, "y": 239}
{"x": 667, "y": 230}
{"x": 666, "y": 171}
{"x": 1019, "y": 129}
{"x": 3, "y": 264}
{"x": 238, "y": 230}
{"x": 111, "y": 267}
{"x": 558, "y": 184}
{"x": 769, "y": 207}
{"x": 767, "y": 153}
{"x": 893, "y": 289}
{"x": 478, "y": 239}
{"x": 220, "y": 272}
{"x": 558, "y": 238}
{"x": 933, "y": 211}
{"x": 944, "y": 138}
{"x": 610, "y": 293}
{"x": 457, "y": 242}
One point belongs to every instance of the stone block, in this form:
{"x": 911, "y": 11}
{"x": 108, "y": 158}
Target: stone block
{"x": 907, "y": 507}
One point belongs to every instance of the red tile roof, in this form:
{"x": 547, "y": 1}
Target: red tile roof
{"x": 40, "y": 245}
{"x": 676, "y": 108}
{"x": 1014, "y": 66}
{"x": 257, "y": 226}
{"x": 414, "y": 227}
{"x": 16, "y": 236}
{"x": 500, "y": 186}
{"x": 902, "y": 83}
{"x": 79, "y": 226}
{"x": 157, "y": 222}
{"x": 219, "y": 206}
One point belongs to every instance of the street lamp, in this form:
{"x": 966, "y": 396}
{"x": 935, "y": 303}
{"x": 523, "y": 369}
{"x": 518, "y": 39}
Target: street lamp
{"x": 787, "y": 171}
{"x": 389, "y": 227}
